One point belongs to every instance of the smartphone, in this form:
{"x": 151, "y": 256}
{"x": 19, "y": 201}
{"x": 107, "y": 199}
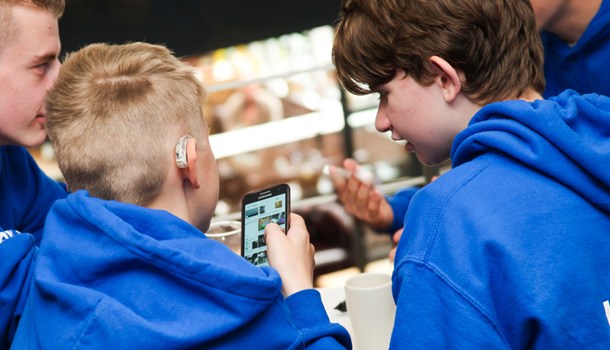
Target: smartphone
{"x": 259, "y": 208}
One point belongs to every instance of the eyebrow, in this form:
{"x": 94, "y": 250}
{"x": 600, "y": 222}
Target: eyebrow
{"x": 45, "y": 57}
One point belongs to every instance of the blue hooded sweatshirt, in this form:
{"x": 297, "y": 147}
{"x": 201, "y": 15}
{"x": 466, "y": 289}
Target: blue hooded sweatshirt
{"x": 26, "y": 194}
{"x": 399, "y": 202}
{"x": 111, "y": 275}
{"x": 509, "y": 249}
{"x": 582, "y": 66}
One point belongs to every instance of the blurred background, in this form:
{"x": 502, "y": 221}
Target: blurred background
{"x": 276, "y": 111}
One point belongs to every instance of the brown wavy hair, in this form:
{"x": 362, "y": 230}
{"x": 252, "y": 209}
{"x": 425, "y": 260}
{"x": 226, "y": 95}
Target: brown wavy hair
{"x": 493, "y": 42}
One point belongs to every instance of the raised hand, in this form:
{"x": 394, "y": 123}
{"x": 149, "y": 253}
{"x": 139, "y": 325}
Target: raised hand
{"x": 360, "y": 197}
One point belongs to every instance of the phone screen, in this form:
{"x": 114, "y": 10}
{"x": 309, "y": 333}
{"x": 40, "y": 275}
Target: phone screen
{"x": 271, "y": 205}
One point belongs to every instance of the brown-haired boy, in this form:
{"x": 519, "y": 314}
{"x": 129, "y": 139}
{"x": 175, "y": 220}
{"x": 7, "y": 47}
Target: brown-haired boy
{"x": 503, "y": 251}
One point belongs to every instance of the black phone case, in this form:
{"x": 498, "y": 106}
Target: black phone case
{"x": 257, "y": 196}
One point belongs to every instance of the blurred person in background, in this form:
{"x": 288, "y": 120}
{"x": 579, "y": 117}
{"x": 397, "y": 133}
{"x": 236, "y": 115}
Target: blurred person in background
{"x": 576, "y": 39}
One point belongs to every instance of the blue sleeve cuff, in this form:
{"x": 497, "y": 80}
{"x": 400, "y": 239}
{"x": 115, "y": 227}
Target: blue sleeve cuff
{"x": 400, "y": 203}
{"x": 310, "y": 300}
{"x": 310, "y": 317}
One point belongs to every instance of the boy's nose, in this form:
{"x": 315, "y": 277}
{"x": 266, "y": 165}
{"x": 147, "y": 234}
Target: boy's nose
{"x": 382, "y": 123}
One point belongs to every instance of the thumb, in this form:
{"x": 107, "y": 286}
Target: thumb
{"x": 350, "y": 164}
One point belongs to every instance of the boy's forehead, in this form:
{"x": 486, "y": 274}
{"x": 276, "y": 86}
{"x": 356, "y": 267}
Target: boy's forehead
{"x": 35, "y": 34}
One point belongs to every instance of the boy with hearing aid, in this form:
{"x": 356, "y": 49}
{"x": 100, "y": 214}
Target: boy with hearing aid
{"x": 124, "y": 263}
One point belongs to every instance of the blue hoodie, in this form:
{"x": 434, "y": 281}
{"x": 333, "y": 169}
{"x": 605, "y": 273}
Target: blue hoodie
{"x": 111, "y": 275}
{"x": 509, "y": 249}
{"x": 399, "y": 202}
{"x": 582, "y": 66}
{"x": 26, "y": 194}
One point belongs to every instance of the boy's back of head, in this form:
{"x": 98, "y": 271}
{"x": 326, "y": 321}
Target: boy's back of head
{"x": 115, "y": 114}
{"x": 494, "y": 43}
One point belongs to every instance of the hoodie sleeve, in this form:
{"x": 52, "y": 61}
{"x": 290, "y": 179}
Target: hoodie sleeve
{"x": 17, "y": 253}
{"x": 311, "y": 319}
{"x": 400, "y": 203}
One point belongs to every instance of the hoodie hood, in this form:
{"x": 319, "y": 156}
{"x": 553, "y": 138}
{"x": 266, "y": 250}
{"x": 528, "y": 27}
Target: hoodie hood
{"x": 566, "y": 137}
{"x": 99, "y": 261}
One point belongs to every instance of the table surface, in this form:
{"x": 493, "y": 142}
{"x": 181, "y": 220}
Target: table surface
{"x": 333, "y": 291}
{"x": 331, "y": 297}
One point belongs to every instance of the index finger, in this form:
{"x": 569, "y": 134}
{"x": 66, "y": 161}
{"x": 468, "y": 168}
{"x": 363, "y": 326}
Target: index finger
{"x": 297, "y": 229}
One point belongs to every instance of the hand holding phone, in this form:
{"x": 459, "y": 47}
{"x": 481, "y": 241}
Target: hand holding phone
{"x": 292, "y": 255}
{"x": 259, "y": 208}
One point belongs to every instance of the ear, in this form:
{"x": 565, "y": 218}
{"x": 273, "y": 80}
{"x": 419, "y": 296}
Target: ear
{"x": 448, "y": 79}
{"x": 190, "y": 172}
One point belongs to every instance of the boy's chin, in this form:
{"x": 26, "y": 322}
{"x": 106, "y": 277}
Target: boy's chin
{"x": 430, "y": 162}
{"x": 31, "y": 139}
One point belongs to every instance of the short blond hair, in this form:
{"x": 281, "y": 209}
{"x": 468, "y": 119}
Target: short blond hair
{"x": 115, "y": 114}
{"x": 493, "y": 42}
{"x": 7, "y": 27}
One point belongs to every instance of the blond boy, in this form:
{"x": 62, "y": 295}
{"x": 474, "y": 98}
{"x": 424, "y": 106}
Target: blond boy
{"x": 136, "y": 270}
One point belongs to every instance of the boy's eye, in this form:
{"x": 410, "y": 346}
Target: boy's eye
{"x": 42, "y": 68}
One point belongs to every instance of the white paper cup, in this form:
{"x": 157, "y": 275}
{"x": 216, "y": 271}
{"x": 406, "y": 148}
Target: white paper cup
{"x": 371, "y": 309}
{"x": 227, "y": 232}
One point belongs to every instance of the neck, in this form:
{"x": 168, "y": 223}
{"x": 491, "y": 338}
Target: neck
{"x": 570, "y": 21}
{"x": 530, "y": 95}
{"x": 181, "y": 199}
{"x": 172, "y": 202}
{"x": 172, "y": 197}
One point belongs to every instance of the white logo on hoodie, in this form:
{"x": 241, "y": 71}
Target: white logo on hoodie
{"x": 607, "y": 308}
{"x": 4, "y": 235}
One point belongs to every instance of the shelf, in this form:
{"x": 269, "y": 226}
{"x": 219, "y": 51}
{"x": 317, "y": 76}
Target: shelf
{"x": 279, "y": 132}
{"x": 241, "y": 83}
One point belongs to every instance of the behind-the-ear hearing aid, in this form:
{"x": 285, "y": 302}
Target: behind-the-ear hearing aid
{"x": 181, "y": 159}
